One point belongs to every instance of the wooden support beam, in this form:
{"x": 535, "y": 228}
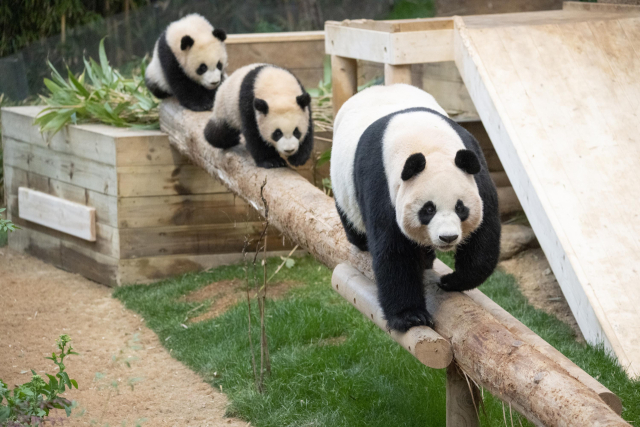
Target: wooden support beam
{"x": 494, "y": 356}
{"x": 397, "y": 74}
{"x": 344, "y": 78}
{"x": 429, "y": 347}
{"x": 463, "y": 399}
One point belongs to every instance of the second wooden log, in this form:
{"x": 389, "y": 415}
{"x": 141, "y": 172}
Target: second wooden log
{"x": 429, "y": 347}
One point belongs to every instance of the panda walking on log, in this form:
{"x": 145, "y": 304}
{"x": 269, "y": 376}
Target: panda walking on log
{"x": 408, "y": 181}
{"x": 189, "y": 62}
{"x": 269, "y": 107}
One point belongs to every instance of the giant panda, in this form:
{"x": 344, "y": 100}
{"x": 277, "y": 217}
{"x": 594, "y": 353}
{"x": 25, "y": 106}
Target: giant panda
{"x": 189, "y": 62}
{"x": 409, "y": 181}
{"x": 269, "y": 107}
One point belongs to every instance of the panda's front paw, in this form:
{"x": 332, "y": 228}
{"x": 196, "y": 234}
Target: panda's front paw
{"x": 454, "y": 282}
{"x": 409, "y": 318}
{"x": 276, "y": 162}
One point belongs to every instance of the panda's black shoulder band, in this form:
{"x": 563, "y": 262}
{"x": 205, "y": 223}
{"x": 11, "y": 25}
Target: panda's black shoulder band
{"x": 413, "y": 166}
{"x": 468, "y": 161}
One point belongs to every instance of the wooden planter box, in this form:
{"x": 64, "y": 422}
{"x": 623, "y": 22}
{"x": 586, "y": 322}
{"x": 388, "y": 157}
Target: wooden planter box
{"x": 156, "y": 215}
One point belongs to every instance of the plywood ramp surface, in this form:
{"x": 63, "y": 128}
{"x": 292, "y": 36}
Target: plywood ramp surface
{"x": 559, "y": 94}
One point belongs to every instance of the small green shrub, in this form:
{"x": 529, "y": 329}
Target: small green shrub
{"x": 30, "y": 403}
{"x": 108, "y": 98}
{"x": 6, "y": 225}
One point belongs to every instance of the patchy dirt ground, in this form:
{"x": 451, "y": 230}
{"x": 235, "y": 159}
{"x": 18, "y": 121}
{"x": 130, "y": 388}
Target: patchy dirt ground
{"x": 39, "y": 302}
{"x": 227, "y": 293}
{"x": 539, "y": 285}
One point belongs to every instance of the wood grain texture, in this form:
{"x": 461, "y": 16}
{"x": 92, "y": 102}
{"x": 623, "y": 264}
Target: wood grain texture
{"x": 463, "y": 399}
{"x": 396, "y": 48}
{"x": 344, "y": 75}
{"x": 567, "y": 134}
{"x": 397, "y": 74}
{"x": 422, "y": 342}
{"x": 56, "y": 213}
{"x": 522, "y": 375}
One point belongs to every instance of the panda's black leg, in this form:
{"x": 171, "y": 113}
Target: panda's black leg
{"x": 156, "y": 90}
{"x": 265, "y": 155}
{"x": 398, "y": 267}
{"x": 220, "y": 134}
{"x": 477, "y": 257}
{"x": 353, "y": 236}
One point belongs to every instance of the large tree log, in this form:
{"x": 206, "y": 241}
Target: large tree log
{"x": 491, "y": 354}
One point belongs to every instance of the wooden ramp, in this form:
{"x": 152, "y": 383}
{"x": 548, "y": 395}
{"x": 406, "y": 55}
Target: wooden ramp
{"x": 559, "y": 94}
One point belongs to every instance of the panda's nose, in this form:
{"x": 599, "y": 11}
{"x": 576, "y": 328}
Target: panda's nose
{"x": 291, "y": 151}
{"x": 450, "y": 238}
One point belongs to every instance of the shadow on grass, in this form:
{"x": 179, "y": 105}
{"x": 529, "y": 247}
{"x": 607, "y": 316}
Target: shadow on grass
{"x": 331, "y": 366}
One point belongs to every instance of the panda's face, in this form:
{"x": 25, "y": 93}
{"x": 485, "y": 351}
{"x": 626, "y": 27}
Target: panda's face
{"x": 205, "y": 62}
{"x": 199, "y": 49}
{"x": 438, "y": 206}
{"x": 283, "y": 125}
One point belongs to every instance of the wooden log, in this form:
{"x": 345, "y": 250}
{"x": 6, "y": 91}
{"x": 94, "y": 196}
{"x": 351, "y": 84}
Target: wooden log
{"x": 463, "y": 399}
{"x": 60, "y": 214}
{"x": 493, "y": 356}
{"x": 423, "y": 342}
{"x": 397, "y": 74}
{"x": 344, "y": 75}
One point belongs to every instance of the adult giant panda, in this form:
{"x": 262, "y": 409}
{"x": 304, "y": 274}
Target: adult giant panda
{"x": 270, "y": 108}
{"x": 408, "y": 181}
{"x": 189, "y": 62}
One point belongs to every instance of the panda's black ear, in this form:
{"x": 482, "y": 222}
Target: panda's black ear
{"x": 468, "y": 161}
{"x": 186, "y": 43}
{"x": 261, "y": 105}
{"x": 413, "y": 166}
{"x": 220, "y": 34}
{"x": 303, "y": 100}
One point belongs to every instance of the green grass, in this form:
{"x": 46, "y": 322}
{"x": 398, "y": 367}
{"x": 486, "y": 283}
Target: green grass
{"x": 3, "y": 238}
{"x": 367, "y": 379}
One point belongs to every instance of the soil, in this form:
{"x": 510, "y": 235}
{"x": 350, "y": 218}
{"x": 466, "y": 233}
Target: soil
{"x": 227, "y": 293}
{"x": 539, "y": 285}
{"x": 39, "y": 302}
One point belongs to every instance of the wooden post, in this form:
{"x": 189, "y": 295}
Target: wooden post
{"x": 397, "y": 74}
{"x": 344, "y": 75}
{"x": 463, "y": 399}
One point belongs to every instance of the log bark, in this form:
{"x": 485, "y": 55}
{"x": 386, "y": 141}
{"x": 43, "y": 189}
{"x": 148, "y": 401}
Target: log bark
{"x": 496, "y": 358}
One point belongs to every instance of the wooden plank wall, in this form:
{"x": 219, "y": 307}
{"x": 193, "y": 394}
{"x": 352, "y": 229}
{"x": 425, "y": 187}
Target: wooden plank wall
{"x": 156, "y": 213}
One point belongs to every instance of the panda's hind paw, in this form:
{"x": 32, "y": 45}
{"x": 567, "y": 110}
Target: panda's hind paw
{"x": 409, "y": 318}
{"x": 276, "y": 162}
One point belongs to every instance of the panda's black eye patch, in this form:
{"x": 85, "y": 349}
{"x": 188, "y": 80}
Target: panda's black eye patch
{"x": 277, "y": 134}
{"x": 219, "y": 65}
{"x": 426, "y": 214}
{"x": 462, "y": 211}
{"x": 202, "y": 69}
{"x": 296, "y": 133}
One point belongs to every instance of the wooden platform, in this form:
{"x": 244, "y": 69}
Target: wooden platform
{"x": 559, "y": 95}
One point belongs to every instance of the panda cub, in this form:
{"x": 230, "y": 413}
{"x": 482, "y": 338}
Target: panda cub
{"x": 271, "y": 109}
{"x": 409, "y": 181}
{"x": 189, "y": 62}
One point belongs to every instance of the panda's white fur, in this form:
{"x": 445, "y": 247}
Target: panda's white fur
{"x": 206, "y": 49}
{"x": 279, "y": 88}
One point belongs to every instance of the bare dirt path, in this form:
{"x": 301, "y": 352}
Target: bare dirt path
{"x": 39, "y": 302}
